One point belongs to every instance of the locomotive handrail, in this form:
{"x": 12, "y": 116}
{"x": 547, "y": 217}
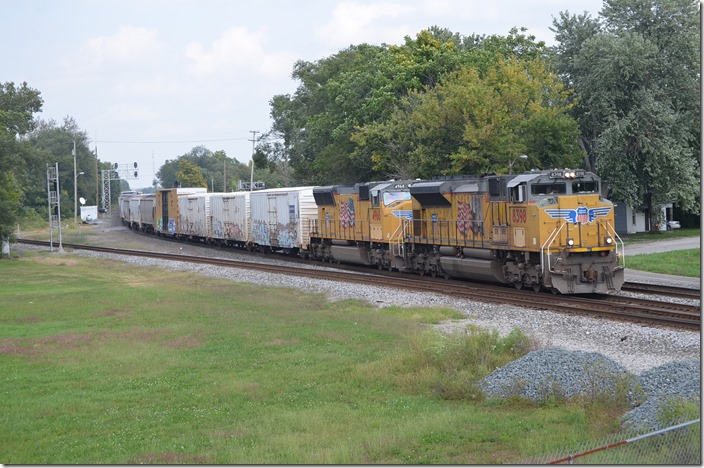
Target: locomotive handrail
{"x": 398, "y": 240}
{"x": 623, "y": 247}
{"x": 549, "y": 241}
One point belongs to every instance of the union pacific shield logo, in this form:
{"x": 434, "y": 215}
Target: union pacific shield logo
{"x": 582, "y": 215}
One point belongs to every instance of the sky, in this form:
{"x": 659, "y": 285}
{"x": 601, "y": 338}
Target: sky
{"x": 148, "y": 80}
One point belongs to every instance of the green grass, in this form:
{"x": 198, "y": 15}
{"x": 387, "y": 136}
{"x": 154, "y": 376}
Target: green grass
{"x": 661, "y": 235}
{"x": 676, "y": 262}
{"x": 104, "y": 363}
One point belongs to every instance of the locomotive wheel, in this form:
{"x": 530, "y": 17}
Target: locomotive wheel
{"x": 434, "y": 273}
{"x": 518, "y": 284}
{"x": 380, "y": 266}
{"x": 537, "y": 287}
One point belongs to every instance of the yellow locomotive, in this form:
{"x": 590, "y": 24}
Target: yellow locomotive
{"x": 540, "y": 229}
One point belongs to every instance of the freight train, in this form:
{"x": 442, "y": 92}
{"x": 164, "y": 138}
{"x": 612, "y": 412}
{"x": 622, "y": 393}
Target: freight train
{"x": 545, "y": 230}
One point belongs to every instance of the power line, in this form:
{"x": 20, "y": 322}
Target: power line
{"x": 169, "y": 141}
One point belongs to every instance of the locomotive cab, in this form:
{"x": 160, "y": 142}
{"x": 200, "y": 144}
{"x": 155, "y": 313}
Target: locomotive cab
{"x": 562, "y": 214}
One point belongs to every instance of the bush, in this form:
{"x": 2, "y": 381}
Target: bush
{"x": 451, "y": 366}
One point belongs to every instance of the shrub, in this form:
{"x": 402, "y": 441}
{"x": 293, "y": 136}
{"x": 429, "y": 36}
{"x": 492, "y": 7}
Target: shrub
{"x": 451, "y": 366}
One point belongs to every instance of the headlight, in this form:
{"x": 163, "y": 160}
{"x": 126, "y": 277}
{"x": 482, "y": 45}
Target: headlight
{"x": 570, "y": 242}
{"x": 609, "y": 240}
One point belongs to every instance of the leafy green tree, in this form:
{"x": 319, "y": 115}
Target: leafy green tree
{"x": 190, "y": 175}
{"x": 51, "y": 143}
{"x": 368, "y": 86}
{"x": 166, "y": 175}
{"x": 336, "y": 94}
{"x": 474, "y": 124}
{"x": 636, "y": 74}
{"x": 18, "y": 104}
{"x": 216, "y": 168}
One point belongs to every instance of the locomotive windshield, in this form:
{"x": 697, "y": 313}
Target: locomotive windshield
{"x": 548, "y": 189}
{"x": 395, "y": 197}
{"x": 585, "y": 187}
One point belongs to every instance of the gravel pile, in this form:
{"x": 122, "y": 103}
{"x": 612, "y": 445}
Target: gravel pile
{"x": 680, "y": 380}
{"x": 554, "y": 372}
{"x": 542, "y": 374}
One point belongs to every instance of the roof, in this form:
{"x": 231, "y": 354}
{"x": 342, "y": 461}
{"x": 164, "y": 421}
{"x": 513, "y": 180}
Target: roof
{"x": 521, "y": 178}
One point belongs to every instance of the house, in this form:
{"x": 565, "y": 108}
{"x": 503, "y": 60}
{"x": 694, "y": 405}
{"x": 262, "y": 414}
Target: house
{"x": 631, "y": 220}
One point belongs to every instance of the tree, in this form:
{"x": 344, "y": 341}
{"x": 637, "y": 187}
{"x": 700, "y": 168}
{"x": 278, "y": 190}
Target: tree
{"x": 636, "y": 74}
{"x": 215, "y": 168}
{"x": 336, "y": 94}
{"x": 190, "y": 175}
{"x": 571, "y": 32}
{"x": 471, "y": 123}
{"x": 51, "y": 143}
{"x": 17, "y": 108}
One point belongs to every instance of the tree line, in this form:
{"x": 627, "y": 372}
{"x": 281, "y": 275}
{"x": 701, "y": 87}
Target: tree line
{"x": 618, "y": 95}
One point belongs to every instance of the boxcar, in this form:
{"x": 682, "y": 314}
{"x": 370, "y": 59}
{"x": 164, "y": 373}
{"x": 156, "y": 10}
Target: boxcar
{"x": 281, "y": 218}
{"x": 167, "y": 209}
{"x": 229, "y": 220}
{"x": 194, "y": 215}
{"x": 146, "y": 212}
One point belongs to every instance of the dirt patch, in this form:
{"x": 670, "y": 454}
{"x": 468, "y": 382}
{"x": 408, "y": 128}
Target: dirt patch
{"x": 171, "y": 458}
{"x": 47, "y": 344}
{"x": 116, "y": 313}
{"x": 54, "y": 261}
{"x": 29, "y": 319}
{"x": 183, "y": 342}
{"x": 278, "y": 342}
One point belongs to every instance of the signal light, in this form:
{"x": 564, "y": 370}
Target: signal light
{"x": 570, "y": 242}
{"x": 609, "y": 240}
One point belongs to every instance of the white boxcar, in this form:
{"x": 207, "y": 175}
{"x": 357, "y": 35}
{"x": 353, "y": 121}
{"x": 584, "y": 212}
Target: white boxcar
{"x": 147, "y": 211}
{"x": 194, "y": 214}
{"x": 229, "y": 218}
{"x": 124, "y": 203}
{"x": 281, "y": 218}
{"x": 133, "y": 219}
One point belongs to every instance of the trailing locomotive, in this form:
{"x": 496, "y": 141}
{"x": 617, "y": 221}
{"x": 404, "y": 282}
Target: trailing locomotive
{"x": 540, "y": 229}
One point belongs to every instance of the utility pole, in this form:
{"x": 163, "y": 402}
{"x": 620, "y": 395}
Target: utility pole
{"x": 97, "y": 176}
{"x": 251, "y": 176}
{"x": 75, "y": 183}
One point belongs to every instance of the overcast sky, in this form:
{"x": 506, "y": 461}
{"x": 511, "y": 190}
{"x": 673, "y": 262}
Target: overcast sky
{"x": 150, "y": 79}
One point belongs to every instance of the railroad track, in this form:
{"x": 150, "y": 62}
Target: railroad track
{"x": 614, "y": 307}
{"x": 661, "y": 290}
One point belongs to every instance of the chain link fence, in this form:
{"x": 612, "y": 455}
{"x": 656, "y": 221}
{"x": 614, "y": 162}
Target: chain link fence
{"x": 675, "y": 445}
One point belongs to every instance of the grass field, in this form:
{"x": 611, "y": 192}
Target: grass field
{"x": 676, "y": 262}
{"x": 107, "y": 364}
